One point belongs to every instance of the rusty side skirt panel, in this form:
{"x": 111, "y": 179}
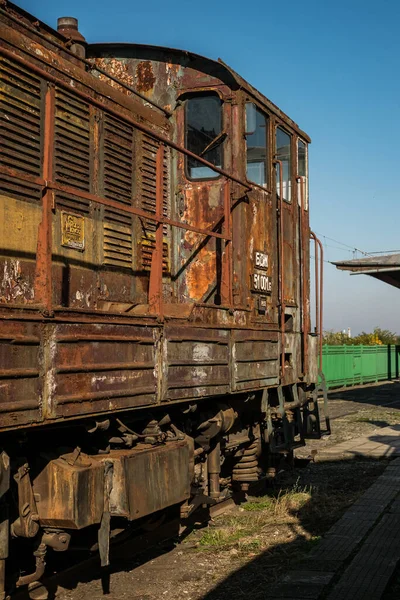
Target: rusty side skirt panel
{"x": 52, "y": 370}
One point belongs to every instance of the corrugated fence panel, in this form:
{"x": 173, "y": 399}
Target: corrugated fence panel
{"x": 354, "y": 365}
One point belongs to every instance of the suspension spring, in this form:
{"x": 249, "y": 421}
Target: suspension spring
{"x": 246, "y": 469}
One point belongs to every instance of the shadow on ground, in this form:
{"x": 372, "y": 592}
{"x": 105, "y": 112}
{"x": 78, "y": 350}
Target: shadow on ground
{"x": 266, "y": 575}
{"x": 333, "y": 487}
{"x": 195, "y": 572}
{"x": 347, "y": 400}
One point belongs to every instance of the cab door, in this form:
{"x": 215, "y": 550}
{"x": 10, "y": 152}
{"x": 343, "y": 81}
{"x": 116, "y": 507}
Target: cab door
{"x": 289, "y": 253}
{"x": 261, "y": 217}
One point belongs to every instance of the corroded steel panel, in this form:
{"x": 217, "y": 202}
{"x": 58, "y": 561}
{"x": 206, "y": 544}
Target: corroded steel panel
{"x": 158, "y": 477}
{"x": 70, "y": 495}
{"x": 144, "y": 480}
{"x": 196, "y": 362}
{"x": 21, "y": 377}
{"x": 255, "y": 359}
{"x": 101, "y": 367}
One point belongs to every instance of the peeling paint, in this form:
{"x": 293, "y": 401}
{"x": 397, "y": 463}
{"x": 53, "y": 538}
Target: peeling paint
{"x": 14, "y": 286}
{"x": 145, "y": 78}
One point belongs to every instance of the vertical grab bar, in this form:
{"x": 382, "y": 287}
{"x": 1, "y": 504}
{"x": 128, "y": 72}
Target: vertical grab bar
{"x": 156, "y": 272}
{"x": 319, "y": 282}
{"x": 281, "y": 269}
{"x": 43, "y": 274}
{"x": 226, "y": 276}
{"x": 304, "y": 275}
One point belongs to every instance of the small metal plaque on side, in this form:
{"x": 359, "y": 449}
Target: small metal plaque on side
{"x": 72, "y": 231}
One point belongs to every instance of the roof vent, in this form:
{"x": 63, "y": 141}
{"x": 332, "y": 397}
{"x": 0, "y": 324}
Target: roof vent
{"x": 68, "y": 27}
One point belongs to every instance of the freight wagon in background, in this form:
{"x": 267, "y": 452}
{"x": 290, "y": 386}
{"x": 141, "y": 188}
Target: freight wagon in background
{"x": 155, "y": 339}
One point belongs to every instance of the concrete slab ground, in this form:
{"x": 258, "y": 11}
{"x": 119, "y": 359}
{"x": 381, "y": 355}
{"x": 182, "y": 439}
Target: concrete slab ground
{"x": 383, "y": 443}
{"x": 356, "y": 559}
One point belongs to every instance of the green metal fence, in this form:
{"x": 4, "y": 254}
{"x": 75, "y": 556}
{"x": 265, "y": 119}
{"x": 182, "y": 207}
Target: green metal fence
{"x": 354, "y": 365}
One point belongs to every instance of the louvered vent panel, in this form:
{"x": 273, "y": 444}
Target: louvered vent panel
{"x": 148, "y": 200}
{"x": 20, "y": 128}
{"x": 146, "y": 253}
{"x": 118, "y": 149}
{"x": 74, "y": 203}
{"x": 118, "y": 186}
{"x": 72, "y": 144}
{"x": 117, "y": 245}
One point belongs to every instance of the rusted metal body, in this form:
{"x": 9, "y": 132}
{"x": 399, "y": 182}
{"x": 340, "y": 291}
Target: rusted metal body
{"x": 123, "y": 209}
{"x": 130, "y": 290}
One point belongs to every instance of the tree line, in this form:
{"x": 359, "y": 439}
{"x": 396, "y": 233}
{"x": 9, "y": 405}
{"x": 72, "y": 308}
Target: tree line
{"x": 377, "y": 337}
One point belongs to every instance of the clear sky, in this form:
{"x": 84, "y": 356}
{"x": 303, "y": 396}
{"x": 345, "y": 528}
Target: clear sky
{"x": 331, "y": 66}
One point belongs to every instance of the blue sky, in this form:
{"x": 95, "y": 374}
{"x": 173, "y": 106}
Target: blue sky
{"x": 331, "y": 66}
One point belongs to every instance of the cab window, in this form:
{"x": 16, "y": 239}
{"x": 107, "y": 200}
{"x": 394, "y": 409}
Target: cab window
{"x": 204, "y": 135}
{"x": 302, "y": 171}
{"x": 256, "y": 145}
{"x": 283, "y": 153}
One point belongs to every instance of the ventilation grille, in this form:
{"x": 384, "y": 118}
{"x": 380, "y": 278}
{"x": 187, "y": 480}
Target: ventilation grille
{"x": 148, "y": 200}
{"x": 118, "y": 160}
{"x": 20, "y": 128}
{"x": 118, "y": 186}
{"x": 73, "y": 203}
{"x": 72, "y": 143}
{"x": 117, "y": 242}
{"x": 146, "y": 252}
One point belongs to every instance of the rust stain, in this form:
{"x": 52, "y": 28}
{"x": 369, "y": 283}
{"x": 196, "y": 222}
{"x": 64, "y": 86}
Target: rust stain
{"x": 145, "y": 77}
{"x": 14, "y": 286}
{"x": 203, "y": 208}
{"x": 117, "y": 69}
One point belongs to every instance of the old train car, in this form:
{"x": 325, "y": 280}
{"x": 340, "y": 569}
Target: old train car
{"x": 155, "y": 340}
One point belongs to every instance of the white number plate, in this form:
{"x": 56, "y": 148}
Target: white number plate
{"x": 262, "y": 283}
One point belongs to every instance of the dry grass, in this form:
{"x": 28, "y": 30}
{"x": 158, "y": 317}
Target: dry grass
{"x": 290, "y": 518}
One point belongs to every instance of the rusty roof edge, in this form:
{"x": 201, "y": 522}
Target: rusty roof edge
{"x": 264, "y": 100}
{"x": 237, "y": 79}
{"x": 390, "y": 261}
{"x": 242, "y": 83}
{"x": 377, "y": 270}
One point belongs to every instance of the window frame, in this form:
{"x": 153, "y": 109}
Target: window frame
{"x": 191, "y": 96}
{"x": 282, "y": 127}
{"x": 306, "y": 203}
{"x": 267, "y": 187}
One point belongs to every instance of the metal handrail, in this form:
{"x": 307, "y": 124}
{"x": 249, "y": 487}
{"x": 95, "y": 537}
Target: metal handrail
{"x": 319, "y": 282}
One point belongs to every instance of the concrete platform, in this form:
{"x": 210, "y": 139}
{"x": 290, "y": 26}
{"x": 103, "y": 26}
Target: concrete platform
{"x": 357, "y": 557}
{"x": 383, "y": 443}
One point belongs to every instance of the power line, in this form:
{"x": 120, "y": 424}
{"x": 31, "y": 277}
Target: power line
{"x": 328, "y": 262}
{"x": 353, "y": 248}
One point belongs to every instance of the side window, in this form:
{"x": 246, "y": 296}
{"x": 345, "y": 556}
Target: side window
{"x": 283, "y": 153}
{"x": 302, "y": 171}
{"x": 204, "y": 135}
{"x": 256, "y": 145}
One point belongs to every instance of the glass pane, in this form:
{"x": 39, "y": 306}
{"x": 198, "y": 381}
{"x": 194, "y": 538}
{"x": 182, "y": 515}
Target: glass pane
{"x": 256, "y": 145}
{"x": 283, "y": 153}
{"x": 301, "y": 159}
{"x": 302, "y": 171}
{"x": 203, "y": 126}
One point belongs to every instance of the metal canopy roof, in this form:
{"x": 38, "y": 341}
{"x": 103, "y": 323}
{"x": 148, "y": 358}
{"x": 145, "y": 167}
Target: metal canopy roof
{"x": 386, "y": 268}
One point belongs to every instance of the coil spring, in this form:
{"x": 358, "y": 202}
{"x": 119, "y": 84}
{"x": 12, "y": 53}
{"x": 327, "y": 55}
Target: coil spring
{"x": 246, "y": 469}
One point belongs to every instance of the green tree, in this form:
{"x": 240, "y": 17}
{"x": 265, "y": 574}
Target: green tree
{"x": 377, "y": 337}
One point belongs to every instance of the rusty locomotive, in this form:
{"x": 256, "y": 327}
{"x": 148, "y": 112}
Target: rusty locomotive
{"x": 155, "y": 332}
